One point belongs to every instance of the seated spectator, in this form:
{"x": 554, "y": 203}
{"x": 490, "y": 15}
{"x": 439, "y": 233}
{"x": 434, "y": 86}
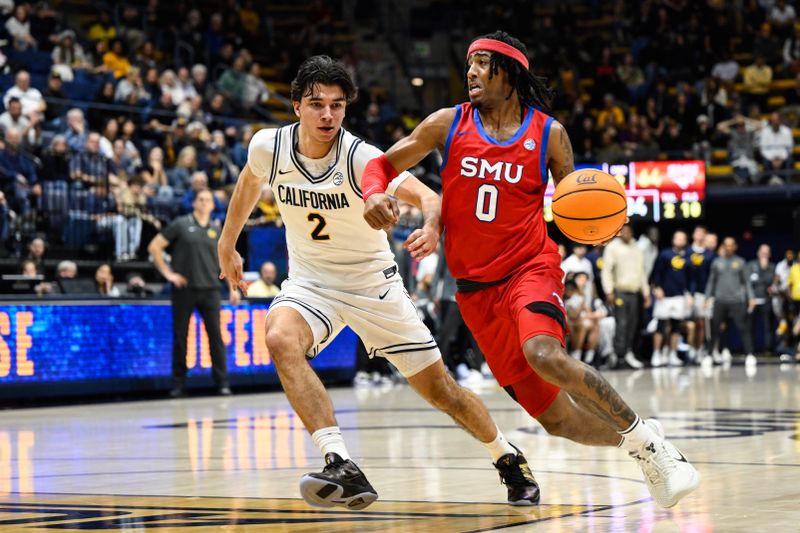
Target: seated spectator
{"x": 130, "y": 27}
{"x": 702, "y": 138}
{"x": 66, "y": 270}
{"x": 632, "y": 76}
{"x": 76, "y": 131}
{"x": 89, "y": 167}
{"x": 255, "y": 90}
{"x": 55, "y": 111}
{"x": 266, "y": 212}
{"x": 647, "y": 148}
{"x": 55, "y": 161}
{"x": 12, "y": 117}
{"x": 200, "y": 80}
{"x": 148, "y": 57}
{"x": 757, "y": 79}
{"x": 726, "y": 69}
{"x": 110, "y": 132}
{"x": 200, "y": 183}
{"x": 124, "y": 163}
{"x": 184, "y": 82}
{"x": 233, "y": 81}
{"x": 103, "y": 30}
{"x": 180, "y": 177}
{"x": 674, "y": 142}
{"x": 782, "y": 17}
{"x": 169, "y": 83}
{"x": 33, "y": 103}
{"x": 767, "y": 45}
{"x": 68, "y": 56}
{"x": 239, "y": 150}
{"x": 154, "y": 175}
{"x": 28, "y": 269}
{"x": 265, "y": 286}
{"x": 217, "y": 113}
{"x": 577, "y": 262}
{"x": 115, "y": 60}
{"x": 100, "y": 111}
{"x": 219, "y": 174}
{"x": 741, "y": 145}
{"x": 775, "y": 148}
{"x": 36, "y": 252}
{"x": 131, "y": 84}
{"x": 19, "y": 28}
{"x": 18, "y": 177}
{"x": 136, "y": 287}
{"x": 161, "y": 116}
{"x": 583, "y": 325}
{"x": 609, "y": 151}
{"x": 104, "y": 281}
{"x": 655, "y": 120}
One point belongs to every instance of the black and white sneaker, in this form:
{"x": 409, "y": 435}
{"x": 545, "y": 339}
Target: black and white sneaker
{"x": 340, "y": 483}
{"x": 516, "y": 475}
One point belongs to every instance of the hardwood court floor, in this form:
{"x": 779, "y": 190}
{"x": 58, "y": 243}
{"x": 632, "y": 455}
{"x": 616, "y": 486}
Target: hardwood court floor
{"x": 216, "y": 464}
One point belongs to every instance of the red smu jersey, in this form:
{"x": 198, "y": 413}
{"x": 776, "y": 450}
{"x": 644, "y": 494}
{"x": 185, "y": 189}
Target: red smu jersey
{"x": 493, "y": 196}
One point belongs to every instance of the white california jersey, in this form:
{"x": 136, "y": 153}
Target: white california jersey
{"x": 330, "y": 244}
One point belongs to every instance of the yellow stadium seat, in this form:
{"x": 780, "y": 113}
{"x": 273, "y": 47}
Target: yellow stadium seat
{"x": 782, "y": 85}
{"x": 720, "y": 154}
{"x": 776, "y": 101}
{"x": 720, "y": 170}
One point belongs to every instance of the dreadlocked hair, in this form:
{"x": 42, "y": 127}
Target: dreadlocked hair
{"x": 531, "y": 90}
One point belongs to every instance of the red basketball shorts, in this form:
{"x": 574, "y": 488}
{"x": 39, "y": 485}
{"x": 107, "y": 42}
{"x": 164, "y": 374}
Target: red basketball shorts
{"x": 502, "y": 317}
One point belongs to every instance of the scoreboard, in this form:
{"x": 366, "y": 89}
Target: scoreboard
{"x": 656, "y": 190}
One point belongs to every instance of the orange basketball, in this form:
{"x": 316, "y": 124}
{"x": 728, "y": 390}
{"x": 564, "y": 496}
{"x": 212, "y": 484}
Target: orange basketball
{"x": 589, "y": 206}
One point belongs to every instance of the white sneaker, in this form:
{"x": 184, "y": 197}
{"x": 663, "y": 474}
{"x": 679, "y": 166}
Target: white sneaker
{"x": 707, "y": 361}
{"x": 750, "y": 360}
{"x": 485, "y": 370}
{"x": 633, "y": 362}
{"x": 667, "y": 473}
{"x": 726, "y": 357}
{"x": 589, "y": 357}
{"x": 462, "y": 372}
{"x": 656, "y": 360}
{"x": 717, "y": 357}
{"x": 674, "y": 360}
{"x": 576, "y": 354}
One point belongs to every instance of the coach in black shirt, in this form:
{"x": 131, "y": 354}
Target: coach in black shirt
{"x": 194, "y": 275}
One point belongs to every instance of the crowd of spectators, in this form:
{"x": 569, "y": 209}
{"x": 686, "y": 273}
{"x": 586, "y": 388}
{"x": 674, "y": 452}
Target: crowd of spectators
{"x": 110, "y": 125}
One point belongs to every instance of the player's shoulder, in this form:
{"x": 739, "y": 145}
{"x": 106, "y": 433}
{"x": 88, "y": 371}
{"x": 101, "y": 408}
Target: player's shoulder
{"x": 264, "y": 139}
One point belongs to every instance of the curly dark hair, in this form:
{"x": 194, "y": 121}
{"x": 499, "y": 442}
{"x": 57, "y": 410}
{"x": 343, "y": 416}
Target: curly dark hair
{"x": 531, "y": 90}
{"x": 322, "y": 70}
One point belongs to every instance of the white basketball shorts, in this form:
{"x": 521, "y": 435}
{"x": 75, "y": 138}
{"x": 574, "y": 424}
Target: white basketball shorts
{"x": 674, "y": 307}
{"x": 384, "y": 317}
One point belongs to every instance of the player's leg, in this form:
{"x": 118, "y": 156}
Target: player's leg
{"x": 298, "y": 322}
{"x": 208, "y": 305}
{"x": 182, "y": 309}
{"x": 568, "y": 419}
{"x": 392, "y": 328}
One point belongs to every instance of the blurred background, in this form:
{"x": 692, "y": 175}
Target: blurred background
{"x": 114, "y": 114}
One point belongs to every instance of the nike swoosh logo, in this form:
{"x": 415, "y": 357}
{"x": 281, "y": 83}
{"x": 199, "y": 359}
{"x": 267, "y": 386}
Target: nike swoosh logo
{"x": 382, "y": 296}
{"x": 283, "y": 172}
{"x": 460, "y": 133}
{"x": 681, "y": 458}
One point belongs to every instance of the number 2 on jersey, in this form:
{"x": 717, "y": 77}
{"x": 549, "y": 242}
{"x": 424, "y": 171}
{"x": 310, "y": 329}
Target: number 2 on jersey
{"x": 486, "y": 206}
{"x": 316, "y": 233}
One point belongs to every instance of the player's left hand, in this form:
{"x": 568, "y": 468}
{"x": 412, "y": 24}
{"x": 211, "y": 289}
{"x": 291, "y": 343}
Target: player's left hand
{"x": 381, "y": 211}
{"x": 422, "y": 242}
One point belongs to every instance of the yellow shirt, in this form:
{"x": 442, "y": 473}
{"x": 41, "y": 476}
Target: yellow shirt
{"x": 259, "y": 289}
{"x": 269, "y": 211}
{"x": 99, "y": 33}
{"x": 794, "y": 282}
{"x": 757, "y": 80}
{"x": 615, "y": 113}
{"x": 119, "y": 65}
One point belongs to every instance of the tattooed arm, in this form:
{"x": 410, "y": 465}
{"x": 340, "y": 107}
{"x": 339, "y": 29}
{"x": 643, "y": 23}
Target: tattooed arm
{"x": 560, "y": 160}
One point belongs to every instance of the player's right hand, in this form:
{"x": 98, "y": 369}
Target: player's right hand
{"x": 381, "y": 211}
{"x": 178, "y": 280}
{"x": 231, "y": 267}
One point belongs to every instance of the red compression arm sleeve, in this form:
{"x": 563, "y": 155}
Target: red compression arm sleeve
{"x": 376, "y": 177}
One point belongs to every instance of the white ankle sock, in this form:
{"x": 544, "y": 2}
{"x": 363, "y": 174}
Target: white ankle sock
{"x": 330, "y": 440}
{"x": 636, "y": 435}
{"x": 499, "y": 446}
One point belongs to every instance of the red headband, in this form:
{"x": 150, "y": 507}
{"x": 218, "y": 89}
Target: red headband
{"x": 500, "y": 47}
